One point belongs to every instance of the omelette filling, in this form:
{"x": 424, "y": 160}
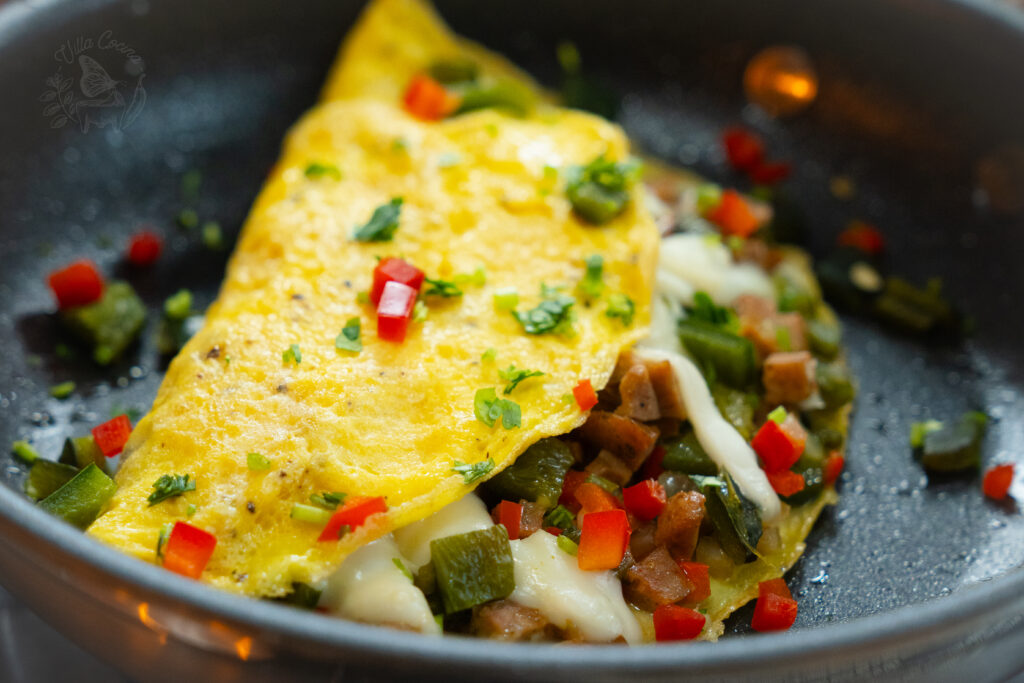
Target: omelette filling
{"x": 668, "y": 443}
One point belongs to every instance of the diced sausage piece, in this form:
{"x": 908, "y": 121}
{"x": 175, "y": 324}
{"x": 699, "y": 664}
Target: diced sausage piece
{"x": 641, "y": 540}
{"x": 788, "y": 377}
{"x": 796, "y": 327}
{"x": 760, "y": 322}
{"x": 611, "y": 467}
{"x": 627, "y": 359}
{"x": 508, "y": 620}
{"x": 532, "y": 519}
{"x": 679, "y": 524}
{"x": 666, "y": 388}
{"x": 638, "y": 398}
{"x": 754, "y": 307}
{"x": 628, "y": 439}
{"x": 656, "y": 581}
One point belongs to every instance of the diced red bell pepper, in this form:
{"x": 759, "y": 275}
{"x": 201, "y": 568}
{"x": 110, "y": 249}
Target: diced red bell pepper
{"x": 553, "y": 530}
{"x": 573, "y": 480}
{"x": 427, "y": 100}
{"x": 770, "y": 172}
{"x": 77, "y": 284}
{"x": 786, "y": 483}
{"x": 733, "y": 215}
{"x": 833, "y": 467}
{"x": 112, "y": 435}
{"x": 604, "y": 538}
{"x": 997, "y": 481}
{"x": 652, "y": 466}
{"x": 394, "y": 311}
{"x": 697, "y": 573}
{"x": 392, "y": 269}
{"x": 586, "y": 397}
{"x": 188, "y": 550}
{"x": 352, "y": 514}
{"x": 775, "y": 609}
{"x": 779, "y": 446}
{"x": 863, "y": 236}
{"x": 510, "y": 515}
{"x": 144, "y": 248}
{"x": 673, "y": 622}
{"x": 743, "y": 149}
{"x": 593, "y": 498}
{"x": 645, "y": 500}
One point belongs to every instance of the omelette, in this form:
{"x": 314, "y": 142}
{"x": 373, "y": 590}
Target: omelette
{"x": 538, "y": 369}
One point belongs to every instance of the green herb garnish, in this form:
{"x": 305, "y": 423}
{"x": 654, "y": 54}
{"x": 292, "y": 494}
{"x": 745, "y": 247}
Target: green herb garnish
{"x": 382, "y": 224}
{"x": 553, "y": 314}
{"x": 478, "y": 277}
{"x": 178, "y": 306}
{"x": 419, "y": 311}
{"x": 778, "y": 416}
{"x": 592, "y": 284}
{"x": 622, "y": 307}
{"x": 514, "y": 376}
{"x": 169, "y": 486}
{"x": 475, "y": 472}
{"x": 329, "y": 500}
{"x": 311, "y": 514}
{"x": 62, "y": 390}
{"x": 506, "y": 299}
{"x": 445, "y": 288}
{"x": 162, "y": 536}
{"x": 567, "y": 545}
{"x": 316, "y": 170}
{"x": 349, "y": 340}
{"x": 489, "y": 408}
{"x": 706, "y": 310}
{"x": 599, "y": 191}
{"x": 293, "y": 354}
{"x": 560, "y": 517}
{"x": 489, "y": 355}
{"x": 257, "y": 462}
{"x": 190, "y": 510}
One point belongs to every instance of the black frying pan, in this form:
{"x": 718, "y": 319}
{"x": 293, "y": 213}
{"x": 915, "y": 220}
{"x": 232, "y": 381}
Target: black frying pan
{"x": 906, "y": 578}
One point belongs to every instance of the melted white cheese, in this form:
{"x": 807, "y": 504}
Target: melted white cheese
{"x": 466, "y": 514}
{"x": 371, "y": 588}
{"x": 549, "y": 580}
{"x": 689, "y": 263}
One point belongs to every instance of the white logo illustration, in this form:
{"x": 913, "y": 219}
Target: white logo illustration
{"x": 88, "y": 95}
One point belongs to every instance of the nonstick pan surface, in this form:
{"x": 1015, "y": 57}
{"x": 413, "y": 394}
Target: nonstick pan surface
{"x": 913, "y": 95}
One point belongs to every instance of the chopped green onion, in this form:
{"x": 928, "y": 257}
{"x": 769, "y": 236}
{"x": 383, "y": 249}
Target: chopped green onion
{"x": 560, "y": 517}
{"x": 109, "y": 325}
{"x": 257, "y": 462}
{"x": 478, "y": 278}
{"x": 316, "y": 170}
{"x": 500, "y": 94}
{"x": 213, "y": 237}
{"x": 919, "y": 429}
{"x": 567, "y": 545}
{"x": 599, "y": 191}
{"x": 329, "y": 500}
{"x": 382, "y": 224}
{"x": 24, "y": 452}
{"x": 708, "y": 197}
{"x": 419, "y": 311}
{"x": 514, "y": 376}
{"x": 169, "y": 486}
{"x": 778, "y": 416}
{"x": 293, "y": 354}
{"x": 190, "y": 510}
{"x": 473, "y": 568}
{"x": 506, "y": 299}
{"x": 363, "y": 297}
{"x": 592, "y": 283}
{"x": 79, "y": 501}
{"x": 536, "y": 475}
{"x": 187, "y": 219}
{"x": 162, "y": 536}
{"x": 62, "y": 390}
{"x": 348, "y": 339}
{"x": 622, "y": 307}
{"x": 311, "y": 514}
{"x": 47, "y": 476}
{"x": 402, "y": 568}
{"x": 489, "y": 355}
{"x": 475, "y": 472}
{"x": 488, "y": 408}
{"x": 953, "y": 447}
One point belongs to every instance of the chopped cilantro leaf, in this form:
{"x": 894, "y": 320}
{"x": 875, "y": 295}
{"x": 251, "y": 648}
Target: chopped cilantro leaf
{"x": 382, "y": 224}
{"x": 349, "y": 340}
{"x": 592, "y": 283}
{"x": 292, "y": 354}
{"x": 445, "y": 288}
{"x": 622, "y": 307}
{"x": 474, "y": 472}
{"x": 316, "y": 170}
{"x": 489, "y": 408}
{"x": 169, "y": 486}
{"x": 514, "y": 376}
{"x": 553, "y": 314}
{"x": 329, "y": 500}
{"x": 257, "y": 462}
{"x": 402, "y": 568}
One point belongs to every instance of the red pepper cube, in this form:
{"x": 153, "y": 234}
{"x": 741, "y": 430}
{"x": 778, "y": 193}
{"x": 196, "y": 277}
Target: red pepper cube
{"x": 586, "y": 397}
{"x": 188, "y": 550}
{"x": 144, "y": 248}
{"x": 603, "y": 539}
{"x": 743, "y": 149}
{"x": 775, "y": 609}
{"x": 833, "y": 467}
{"x": 652, "y": 466}
{"x": 645, "y": 500}
{"x": 112, "y": 435}
{"x": 673, "y": 622}
{"x": 697, "y": 573}
{"x": 394, "y": 270}
{"x": 427, "y": 100}
{"x": 863, "y": 236}
{"x": 593, "y": 498}
{"x": 733, "y": 215}
{"x": 394, "y": 311}
{"x": 573, "y": 480}
{"x": 77, "y": 284}
{"x": 509, "y": 515}
{"x": 997, "y": 481}
{"x": 779, "y": 446}
{"x": 553, "y": 530}
{"x": 786, "y": 483}
{"x": 770, "y": 172}
{"x": 352, "y": 514}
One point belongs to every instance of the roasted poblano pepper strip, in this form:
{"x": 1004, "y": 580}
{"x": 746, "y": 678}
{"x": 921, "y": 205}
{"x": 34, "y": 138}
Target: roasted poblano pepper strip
{"x": 454, "y": 70}
{"x": 834, "y": 384}
{"x": 47, "y": 476}
{"x": 498, "y": 94}
{"x": 109, "y": 325}
{"x": 737, "y": 407}
{"x": 473, "y": 568}
{"x": 81, "y": 451}
{"x": 953, "y": 447}
{"x": 685, "y": 454}
{"x": 79, "y": 501}
{"x": 537, "y": 474}
{"x": 729, "y": 356}
{"x": 736, "y": 519}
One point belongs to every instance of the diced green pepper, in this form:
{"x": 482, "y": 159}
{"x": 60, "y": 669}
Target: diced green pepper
{"x": 823, "y": 338}
{"x": 79, "y": 501}
{"x": 953, "y": 447}
{"x": 729, "y": 356}
{"x": 47, "y": 476}
{"x": 834, "y": 384}
{"x": 685, "y": 454}
{"x": 736, "y": 519}
{"x": 737, "y": 407}
{"x": 537, "y": 474}
{"x": 913, "y": 308}
{"x": 500, "y": 94}
{"x": 473, "y": 568}
{"x": 81, "y": 451}
{"x": 792, "y": 296}
{"x": 109, "y": 325}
